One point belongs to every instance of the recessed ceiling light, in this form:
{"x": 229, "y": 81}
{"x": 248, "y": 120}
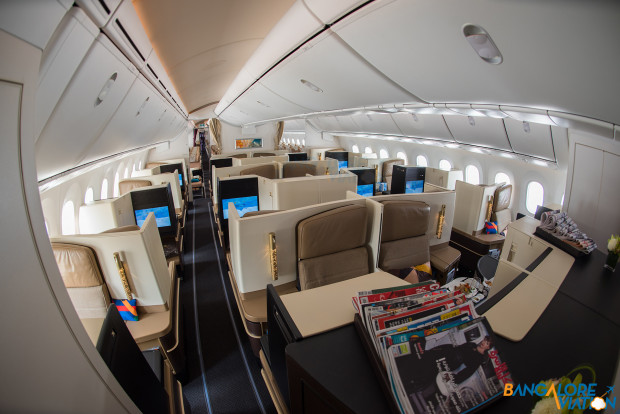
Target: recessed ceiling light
{"x": 452, "y": 145}
{"x": 482, "y": 43}
{"x": 311, "y": 85}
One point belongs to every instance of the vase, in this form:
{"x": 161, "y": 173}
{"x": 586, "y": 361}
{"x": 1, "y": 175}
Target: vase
{"x": 611, "y": 262}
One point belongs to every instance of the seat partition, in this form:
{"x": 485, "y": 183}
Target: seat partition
{"x": 472, "y": 205}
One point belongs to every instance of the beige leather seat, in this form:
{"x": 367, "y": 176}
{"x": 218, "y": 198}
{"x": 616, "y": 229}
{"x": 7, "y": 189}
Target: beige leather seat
{"x": 267, "y": 171}
{"x": 125, "y": 186}
{"x": 403, "y": 235}
{"x": 154, "y": 164}
{"x": 244, "y": 155}
{"x": 81, "y": 274}
{"x": 298, "y": 169}
{"x": 263, "y": 154}
{"x": 386, "y": 171}
{"x": 501, "y": 213}
{"x": 332, "y": 247}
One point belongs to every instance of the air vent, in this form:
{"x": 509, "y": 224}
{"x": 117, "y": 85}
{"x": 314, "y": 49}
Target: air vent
{"x": 105, "y": 6}
{"x": 120, "y": 26}
{"x": 162, "y": 85}
{"x": 169, "y": 93}
{"x": 152, "y": 71}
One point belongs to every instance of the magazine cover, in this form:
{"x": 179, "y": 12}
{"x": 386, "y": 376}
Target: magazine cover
{"x": 417, "y": 313}
{"x": 398, "y": 293}
{"x": 455, "y": 371}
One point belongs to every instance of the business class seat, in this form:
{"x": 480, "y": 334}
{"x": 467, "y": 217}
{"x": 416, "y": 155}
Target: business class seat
{"x": 268, "y": 171}
{"x": 263, "y": 154}
{"x": 332, "y": 247}
{"x": 125, "y": 186}
{"x": 501, "y": 213}
{"x": 298, "y": 169}
{"x": 404, "y": 243}
{"x": 243, "y": 155}
{"x": 386, "y": 170}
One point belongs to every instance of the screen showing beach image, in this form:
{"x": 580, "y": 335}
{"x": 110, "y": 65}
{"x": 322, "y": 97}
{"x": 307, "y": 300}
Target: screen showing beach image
{"x": 162, "y": 218}
{"x": 342, "y": 164}
{"x": 242, "y": 204}
{"x": 181, "y": 180}
{"x": 365, "y": 190}
{"x": 414, "y": 186}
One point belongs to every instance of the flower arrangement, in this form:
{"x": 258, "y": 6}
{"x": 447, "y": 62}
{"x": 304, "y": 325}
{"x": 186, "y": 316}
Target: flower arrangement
{"x": 549, "y": 405}
{"x": 613, "y": 244}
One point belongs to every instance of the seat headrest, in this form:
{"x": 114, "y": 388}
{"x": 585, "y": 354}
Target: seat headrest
{"x": 125, "y": 186}
{"x": 263, "y": 154}
{"x": 239, "y": 156}
{"x": 78, "y": 265}
{"x": 154, "y": 164}
{"x": 403, "y": 219}
{"x": 267, "y": 171}
{"x": 388, "y": 166}
{"x": 131, "y": 227}
{"x": 298, "y": 169}
{"x": 337, "y": 230}
{"x": 501, "y": 199}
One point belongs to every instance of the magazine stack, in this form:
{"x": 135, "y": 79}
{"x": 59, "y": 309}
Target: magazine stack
{"x": 431, "y": 350}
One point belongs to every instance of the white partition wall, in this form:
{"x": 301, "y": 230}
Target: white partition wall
{"x": 289, "y": 193}
{"x": 471, "y": 206}
{"x": 443, "y": 178}
{"x": 249, "y": 243}
{"x": 175, "y": 187}
{"x": 107, "y": 214}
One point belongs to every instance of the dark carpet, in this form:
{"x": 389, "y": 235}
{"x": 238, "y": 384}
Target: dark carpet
{"x": 223, "y": 375}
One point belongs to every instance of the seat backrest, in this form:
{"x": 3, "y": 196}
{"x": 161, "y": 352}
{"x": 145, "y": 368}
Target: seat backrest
{"x": 403, "y": 234}
{"x": 130, "y": 227}
{"x": 386, "y": 171}
{"x": 263, "y": 154}
{"x": 125, "y": 186}
{"x": 81, "y": 274}
{"x": 153, "y": 164}
{"x": 267, "y": 171}
{"x": 298, "y": 169}
{"x": 331, "y": 247}
{"x": 501, "y": 213}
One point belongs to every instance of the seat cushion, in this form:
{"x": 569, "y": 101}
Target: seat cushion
{"x": 90, "y": 302}
{"x": 333, "y": 268}
{"x": 399, "y": 254}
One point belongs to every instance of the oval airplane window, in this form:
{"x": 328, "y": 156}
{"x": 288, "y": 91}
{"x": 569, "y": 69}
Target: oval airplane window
{"x": 126, "y": 174}
{"x": 303, "y": 142}
{"x": 368, "y": 150}
{"x": 115, "y": 190}
{"x": 133, "y": 169}
{"x": 501, "y": 177}
{"x": 402, "y": 156}
{"x": 472, "y": 175}
{"x": 355, "y": 148}
{"x": 383, "y": 153}
{"x": 104, "y": 189}
{"x": 89, "y": 196}
{"x": 140, "y": 165}
{"x": 534, "y": 196}
{"x": 445, "y": 165}
{"x": 67, "y": 220}
{"x": 421, "y": 161}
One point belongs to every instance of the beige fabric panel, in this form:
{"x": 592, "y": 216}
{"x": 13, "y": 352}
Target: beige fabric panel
{"x": 175, "y": 187}
{"x": 399, "y": 254}
{"x": 333, "y": 268}
{"x": 332, "y": 231}
{"x": 503, "y": 219}
{"x": 299, "y": 169}
{"x": 78, "y": 265}
{"x": 404, "y": 218}
{"x": 290, "y": 193}
{"x": 90, "y": 302}
{"x": 311, "y": 316}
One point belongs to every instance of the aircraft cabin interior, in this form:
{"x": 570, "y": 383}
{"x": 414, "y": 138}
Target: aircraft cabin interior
{"x": 310, "y": 206}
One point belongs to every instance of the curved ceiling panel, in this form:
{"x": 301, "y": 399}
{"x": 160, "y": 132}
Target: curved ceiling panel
{"x": 539, "y": 42}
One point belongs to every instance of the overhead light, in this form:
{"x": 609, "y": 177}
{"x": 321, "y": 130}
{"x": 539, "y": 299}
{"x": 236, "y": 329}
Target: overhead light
{"x": 452, "y": 145}
{"x": 526, "y": 127}
{"x": 311, "y": 85}
{"x": 471, "y": 120}
{"x": 482, "y": 43}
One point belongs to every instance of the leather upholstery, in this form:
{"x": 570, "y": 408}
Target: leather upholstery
{"x": 298, "y": 169}
{"x": 263, "y": 154}
{"x": 404, "y": 218}
{"x": 503, "y": 218}
{"x": 331, "y": 246}
{"x": 387, "y": 168}
{"x": 125, "y": 186}
{"x": 267, "y": 171}
{"x": 239, "y": 156}
{"x": 131, "y": 227}
{"x": 501, "y": 199}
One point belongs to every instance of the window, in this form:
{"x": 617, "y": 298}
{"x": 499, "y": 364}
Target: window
{"x": 445, "y": 165}
{"x": 126, "y": 175}
{"x": 303, "y": 142}
{"x": 104, "y": 189}
{"x": 501, "y": 177}
{"x": 115, "y": 190}
{"x": 472, "y": 175}
{"x": 534, "y": 196}
{"x": 355, "y": 148}
{"x": 421, "y": 161}
{"x": 368, "y": 150}
{"x": 68, "y": 218}
{"x": 88, "y": 197}
{"x": 133, "y": 169}
{"x": 383, "y": 154}
{"x": 402, "y": 156}
{"x": 140, "y": 165}
{"x": 298, "y": 142}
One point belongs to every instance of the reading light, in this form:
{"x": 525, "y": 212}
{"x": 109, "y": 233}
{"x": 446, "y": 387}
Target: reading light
{"x": 471, "y": 120}
{"x": 440, "y": 220}
{"x": 482, "y": 43}
{"x": 311, "y": 85}
{"x": 273, "y": 256}
{"x": 526, "y": 127}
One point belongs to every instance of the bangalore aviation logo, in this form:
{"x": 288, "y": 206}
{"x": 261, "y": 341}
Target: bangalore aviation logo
{"x": 568, "y": 396}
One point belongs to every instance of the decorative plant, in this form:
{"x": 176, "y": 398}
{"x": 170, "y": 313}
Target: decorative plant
{"x": 613, "y": 244}
{"x": 548, "y": 405}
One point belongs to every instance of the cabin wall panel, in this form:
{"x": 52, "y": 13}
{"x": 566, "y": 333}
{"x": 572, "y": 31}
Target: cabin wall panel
{"x": 230, "y": 133}
{"x": 84, "y": 109}
{"x": 424, "y": 126}
{"x": 32, "y": 21}
{"x": 96, "y": 11}
{"x": 482, "y": 131}
{"x": 128, "y": 18}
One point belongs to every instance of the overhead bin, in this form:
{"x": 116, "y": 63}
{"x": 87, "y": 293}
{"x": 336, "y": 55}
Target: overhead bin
{"x": 326, "y": 74}
{"x": 377, "y": 123}
{"x": 328, "y": 10}
{"x": 424, "y": 126}
{"x": 88, "y": 103}
{"x": 538, "y": 45}
{"x": 125, "y": 30}
{"x": 100, "y": 11}
{"x": 529, "y": 138}
{"x": 61, "y": 58}
{"x": 481, "y": 131}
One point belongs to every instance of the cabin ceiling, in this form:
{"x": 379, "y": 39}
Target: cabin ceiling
{"x": 203, "y": 44}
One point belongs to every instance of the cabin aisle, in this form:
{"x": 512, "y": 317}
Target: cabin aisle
{"x": 223, "y": 375}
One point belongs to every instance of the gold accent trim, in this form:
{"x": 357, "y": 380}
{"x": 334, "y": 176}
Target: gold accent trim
{"x": 273, "y": 256}
{"x": 121, "y": 272}
{"x": 489, "y": 208}
{"x": 440, "y": 221}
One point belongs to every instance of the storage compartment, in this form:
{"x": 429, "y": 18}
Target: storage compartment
{"x": 482, "y": 131}
{"x": 421, "y": 125}
{"x": 529, "y": 138}
{"x": 521, "y": 249}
